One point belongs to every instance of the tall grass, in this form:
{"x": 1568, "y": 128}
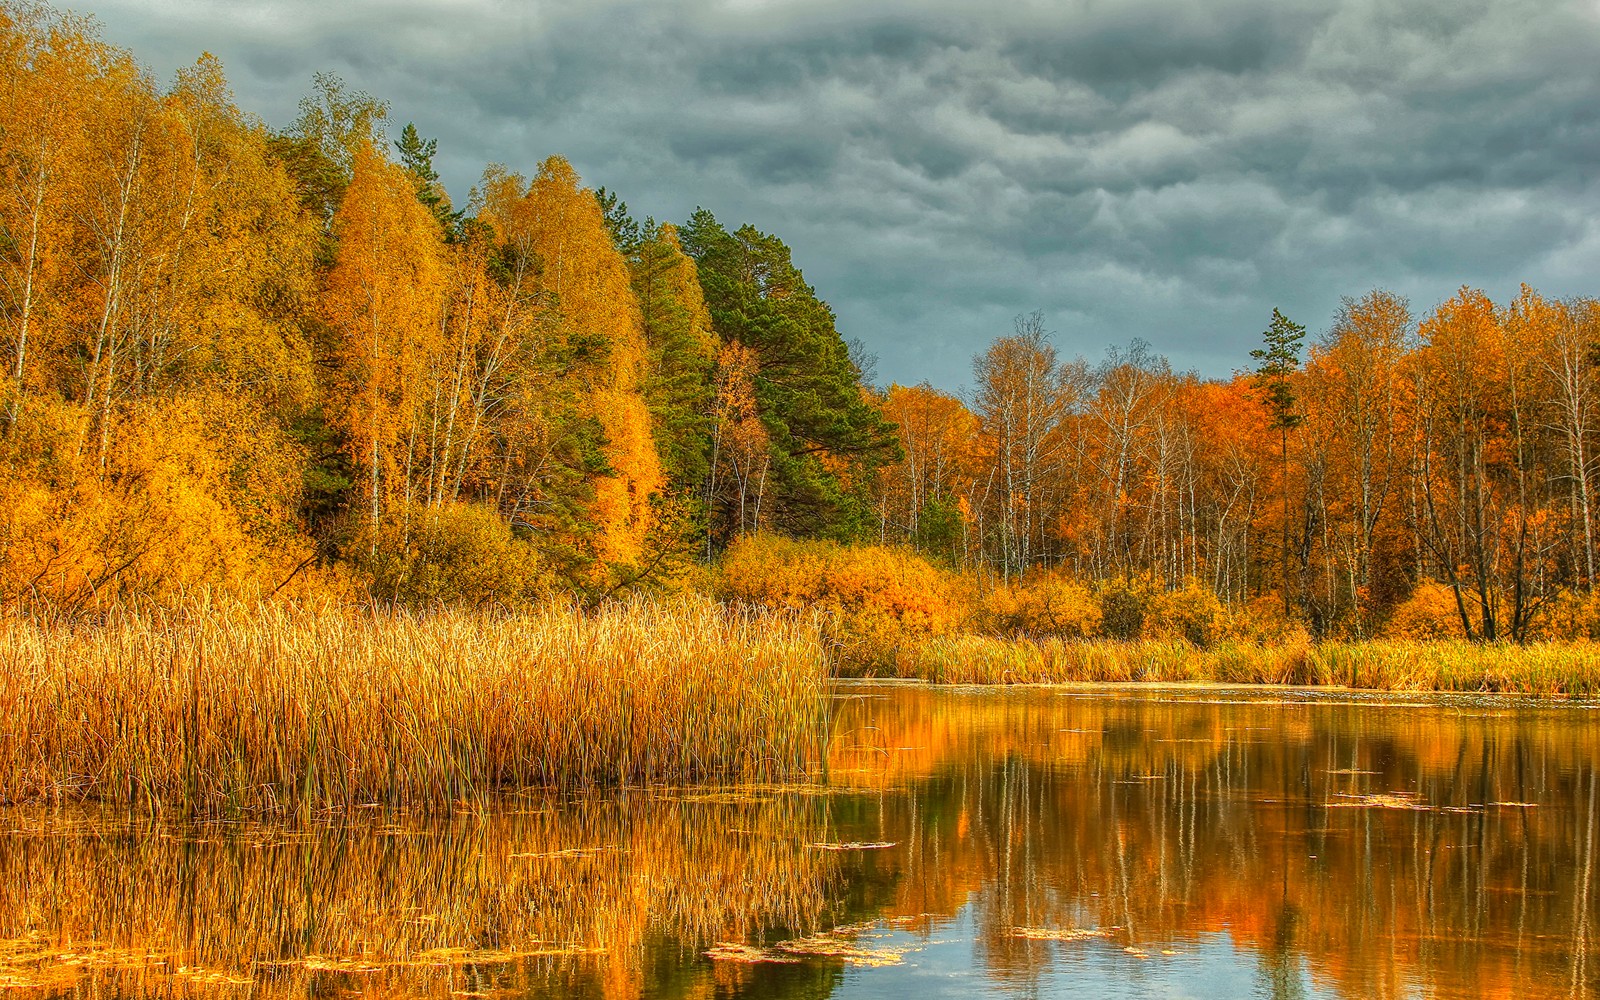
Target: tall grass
{"x": 280, "y": 709}
{"x": 1540, "y": 668}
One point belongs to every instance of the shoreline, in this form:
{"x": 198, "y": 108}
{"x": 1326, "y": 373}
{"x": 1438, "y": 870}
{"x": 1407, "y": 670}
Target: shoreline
{"x": 1134, "y": 687}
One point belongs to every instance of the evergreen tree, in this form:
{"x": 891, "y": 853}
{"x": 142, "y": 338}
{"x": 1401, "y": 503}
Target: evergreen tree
{"x": 624, "y": 230}
{"x": 416, "y": 156}
{"x": 683, "y": 351}
{"x": 1276, "y": 363}
{"x": 825, "y": 432}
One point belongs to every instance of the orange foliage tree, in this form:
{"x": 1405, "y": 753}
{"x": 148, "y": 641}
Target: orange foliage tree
{"x": 575, "y": 312}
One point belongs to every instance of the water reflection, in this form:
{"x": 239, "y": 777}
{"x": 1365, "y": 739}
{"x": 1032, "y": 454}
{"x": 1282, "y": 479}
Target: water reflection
{"x": 1354, "y": 848}
{"x": 510, "y": 903}
{"x": 1034, "y": 842}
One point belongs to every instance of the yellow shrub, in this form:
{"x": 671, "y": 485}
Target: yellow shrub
{"x": 1570, "y": 615}
{"x": 875, "y": 598}
{"x": 1191, "y": 612}
{"x": 455, "y": 554}
{"x": 1043, "y": 605}
{"x": 1262, "y": 621}
{"x": 1429, "y": 613}
{"x": 772, "y": 571}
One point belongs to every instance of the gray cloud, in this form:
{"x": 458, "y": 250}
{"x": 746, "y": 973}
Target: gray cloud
{"x": 1167, "y": 170}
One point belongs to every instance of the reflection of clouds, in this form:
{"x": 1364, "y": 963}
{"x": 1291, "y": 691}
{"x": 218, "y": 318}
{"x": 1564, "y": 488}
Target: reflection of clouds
{"x": 941, "y": 166}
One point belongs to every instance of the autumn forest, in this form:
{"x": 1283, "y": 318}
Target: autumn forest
{"x": 263, "y": 361}
{"x": 506, "y": 592}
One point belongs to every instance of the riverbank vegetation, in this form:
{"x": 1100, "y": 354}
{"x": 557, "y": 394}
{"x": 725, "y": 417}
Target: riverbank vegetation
{"x": 1537, "y": 668}
{"x": 886, "y": 611}
{"x": 294, "y": 710}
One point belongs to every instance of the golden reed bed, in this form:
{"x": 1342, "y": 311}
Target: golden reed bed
{"x": 279, "y": 709}
{"x": 1536, "y": 668}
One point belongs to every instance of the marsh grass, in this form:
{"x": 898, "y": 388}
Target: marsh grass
{"x": 1539, "y": 668}
{"x": 283, "y": 709}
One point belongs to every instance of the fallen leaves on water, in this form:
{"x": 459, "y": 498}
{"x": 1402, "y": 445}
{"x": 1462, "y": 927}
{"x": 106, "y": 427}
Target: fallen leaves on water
{"x": 749, "y": 954}
{"x": 1061, "y": 933}
{"x": 717, "y": 798}
{"x": 840, "y": 943}
{"x": 1381, "y": 800}
{"x": 32, "y": 963}
{"x": 434, "y": 958}
{"x": 470, "y": 956}
{"x": 212, "y": 976}
{"x": 826, "y": 946}
{"x": 571, "y": 852}
{"x": 316, "y": 963}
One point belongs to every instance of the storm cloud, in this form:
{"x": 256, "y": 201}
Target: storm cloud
{"x": 1163, "y": 170}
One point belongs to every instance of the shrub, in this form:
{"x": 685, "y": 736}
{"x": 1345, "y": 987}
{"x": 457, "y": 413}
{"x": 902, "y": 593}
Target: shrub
{"x": 454, "y": 554}
{"x": 875, "y": 598}
{"x": 1123, "y": 604}
{"x": 1044, "y": 605}
{"x": 1429, "y": 613}
{"x": 1569, "y": 615}
{"x": 1191, "y": 612}
{"x": 1262, "y": 621}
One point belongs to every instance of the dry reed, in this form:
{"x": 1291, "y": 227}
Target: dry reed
{"x": 281, "y": 709}
{"x": 1540, "y": 668}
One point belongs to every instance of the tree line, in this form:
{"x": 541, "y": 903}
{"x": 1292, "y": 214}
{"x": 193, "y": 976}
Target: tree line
{"x": 287, "y": 361}
{"x": 1333, "y": 479}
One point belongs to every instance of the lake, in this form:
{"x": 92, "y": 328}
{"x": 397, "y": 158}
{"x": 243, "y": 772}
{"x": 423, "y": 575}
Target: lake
{"x": 1170, "y": 842}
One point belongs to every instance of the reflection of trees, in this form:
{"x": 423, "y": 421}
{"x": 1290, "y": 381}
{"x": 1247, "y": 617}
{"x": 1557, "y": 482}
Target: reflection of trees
{"x": 1580, "y": 934}
{"x": 475, "y": 903}
{"x": 1280, "y": 962}
{"x": 1175, "y": 819}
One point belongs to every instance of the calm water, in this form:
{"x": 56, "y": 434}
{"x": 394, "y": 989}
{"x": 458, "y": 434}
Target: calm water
{"x": 1175, "y": 843}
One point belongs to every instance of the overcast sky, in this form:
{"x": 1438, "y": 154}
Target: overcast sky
{"x": 1166, "y": 170}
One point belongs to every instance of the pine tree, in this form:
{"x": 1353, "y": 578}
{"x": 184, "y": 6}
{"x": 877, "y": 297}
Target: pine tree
{"x": 416, "y": 156}
{"x": 826, "y": 434}
{"x": 625, "y": 231}
{"x": 1276, "y": 363}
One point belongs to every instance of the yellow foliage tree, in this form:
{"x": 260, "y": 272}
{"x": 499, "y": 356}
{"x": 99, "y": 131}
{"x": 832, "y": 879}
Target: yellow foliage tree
{"x": 152, "y": 273}
{"x": 574, "y": 293}
{"x": 383, "y": 300}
